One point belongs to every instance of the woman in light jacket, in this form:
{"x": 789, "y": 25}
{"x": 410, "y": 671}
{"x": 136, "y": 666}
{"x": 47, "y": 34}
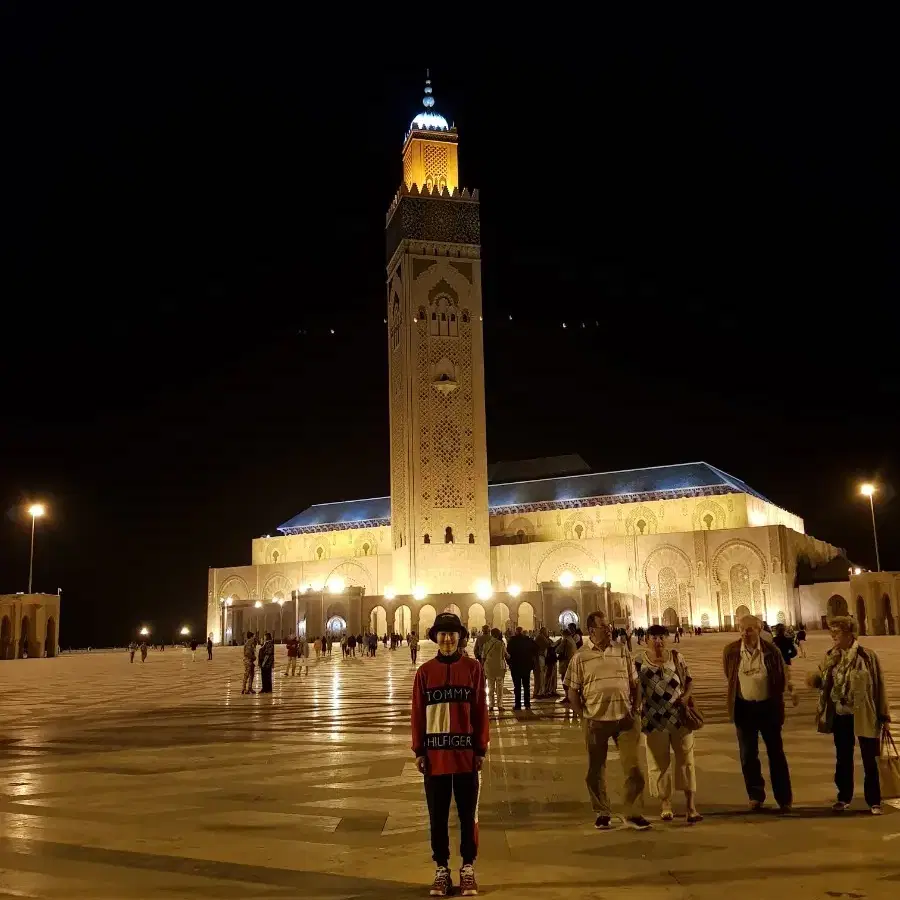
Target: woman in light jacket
{"x": 493, "y": 659}
{"x": 852, "y": 707}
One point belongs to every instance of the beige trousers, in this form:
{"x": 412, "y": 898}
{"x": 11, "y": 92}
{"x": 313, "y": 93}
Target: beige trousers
{"x": 495, "y": 690}
{"x": 596, "y": 737}
{"x": 291, "y": 666}
{"x": 661, "y": 747}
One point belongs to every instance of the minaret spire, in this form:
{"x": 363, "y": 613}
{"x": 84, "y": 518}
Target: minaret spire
{"x": 428, "y": 100}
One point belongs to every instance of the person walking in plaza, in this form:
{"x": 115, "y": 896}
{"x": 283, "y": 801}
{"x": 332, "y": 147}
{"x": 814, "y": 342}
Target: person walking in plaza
{"x": 801, "y": 640}
{"x": 666, "y": 684}
{"x": 266, "y": 663}
{"x": 413, "y": 641}
{"x": 292, "y": 645}
{"x": 493, "y": 658}
{"x": 351, "y": 645}
{"x": 788, "y": 651}
{"x": 602, "y": 684}
{"x": 194, "y": 644}
{"x": 317, "y": 647}
{"x": 209, "y": 648}
{"x": 143, "y": 651}
{"x": 853, "y": 706}
{"x": 303, "y": 653}
{"x": 565, "y": 651}
{"x": 481, "y": 640}
{"x": 754, "y": 669}
{"x": 249, "y": 664}
{"x": 450, "y": 735}
{"x": 541, "y": 643}
{"x": 132, "y": 649}
{"x": 521, "y": 650}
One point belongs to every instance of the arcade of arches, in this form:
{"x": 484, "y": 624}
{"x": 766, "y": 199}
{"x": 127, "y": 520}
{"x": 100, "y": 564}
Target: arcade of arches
{"x": 29, "y": 625}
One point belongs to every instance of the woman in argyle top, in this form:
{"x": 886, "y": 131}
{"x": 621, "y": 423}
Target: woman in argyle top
{"x": 665, "y": 688}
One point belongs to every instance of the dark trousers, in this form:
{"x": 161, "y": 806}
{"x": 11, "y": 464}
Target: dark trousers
{"x": 844, "y": 740}
{"x": 521, "y": 687}
{"x": 266, "y": 675}
{"x": 208, "y": 653}
{"x": 464, "y": 786}
{"x": 413, "y": 653}
{"x": 752, "y": 719}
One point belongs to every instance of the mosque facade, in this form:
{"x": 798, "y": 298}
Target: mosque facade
{"x": 540, "y": 542}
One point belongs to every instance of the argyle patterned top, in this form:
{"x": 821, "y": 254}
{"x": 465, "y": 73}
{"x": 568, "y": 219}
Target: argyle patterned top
{"x": 661, "y": 686}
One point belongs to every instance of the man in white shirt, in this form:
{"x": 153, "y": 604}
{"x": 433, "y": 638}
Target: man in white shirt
{"x": 756, "y": 683}
{"x": 602, "y": 687}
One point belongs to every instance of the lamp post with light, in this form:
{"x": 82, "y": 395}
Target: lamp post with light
{"x": 36, "y": 510}
{"x": 280, "y": 602}
{"x": 257, "y": 606}
{"x": 867, "y": 490}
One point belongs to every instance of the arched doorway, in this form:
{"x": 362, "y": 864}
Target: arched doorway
{"x": 704, "y": 620}
{"x": 670, "y": 617}
{"x": 501, "y": 616}
{"x": 24, "y": 639}
{"x": 50, "y": 641}
{"x": 378, "y": 621}
{"x": 861, "y": 615}
{"x": 568, "y": 617}
{"x": 476, "y": 618}
{"x": 426, "y": 619}
{"x": 6, "y": 648}
{"x": 836, "y": 606}
{"x": 336, "y": 625}
{"x": 887, "y": 613}
{"x": 739, "y": 614}
{"x": 403, "y": 620}
{"x": 453, "y": 608}
{"x": 526, "y": 616}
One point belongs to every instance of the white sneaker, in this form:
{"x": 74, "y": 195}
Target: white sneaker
{"x": 876, "y": 811}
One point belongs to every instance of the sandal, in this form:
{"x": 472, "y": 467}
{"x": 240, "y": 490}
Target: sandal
{"x": 694, "y": 818}
{"x": 667, "y": 815}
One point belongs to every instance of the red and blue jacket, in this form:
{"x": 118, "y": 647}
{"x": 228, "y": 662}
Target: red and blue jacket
{"x": 449, "y": 714}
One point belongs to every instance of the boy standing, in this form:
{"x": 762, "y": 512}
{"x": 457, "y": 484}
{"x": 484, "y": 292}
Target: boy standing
{"x": 450, "y": 738}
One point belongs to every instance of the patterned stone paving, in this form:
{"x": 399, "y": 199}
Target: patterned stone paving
{"x": 161, "y": 780}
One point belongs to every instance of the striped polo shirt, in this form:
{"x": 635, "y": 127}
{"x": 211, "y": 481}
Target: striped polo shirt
{"x": 604, "y": 679}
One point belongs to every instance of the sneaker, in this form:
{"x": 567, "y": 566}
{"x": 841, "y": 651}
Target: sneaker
{"x": 638, "y": 823}
{"x": 839, "y": 806}
{"x": 442, "y": 884}
{"x": 876, "y": 811}
{"x": 602, "y": 823}
{"x": 468, "y": 887}
{"x": 756, "y": 805}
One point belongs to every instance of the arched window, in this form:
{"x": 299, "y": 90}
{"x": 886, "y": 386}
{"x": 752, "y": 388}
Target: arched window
{"x": 448, "y": 535}
{"x": 320, "y": 552}
{"x": 740, "y": 586}
{"x": 641, "y": 525}
{"x": 275, "y": 556}
{"x": 465, "y": 317}
{"x": 365, "y": 549}
{"x": 520, "y": 536}
{"x": 471, "y": 538}
{"x": 579, "y": 530}
{"x": 427, "y": 539}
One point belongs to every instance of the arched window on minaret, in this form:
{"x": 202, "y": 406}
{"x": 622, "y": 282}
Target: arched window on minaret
{"x": 448, "y": 535}
{"x": 471, "y": 538}
{"x": 427, "y": 539}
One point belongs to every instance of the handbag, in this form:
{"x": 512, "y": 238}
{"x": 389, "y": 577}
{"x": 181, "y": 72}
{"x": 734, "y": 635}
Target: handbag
{"x": 889, "y": 768}
{"x": 691, "y": 717}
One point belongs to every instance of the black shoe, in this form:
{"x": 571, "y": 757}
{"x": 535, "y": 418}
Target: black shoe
{"x": 602, "y": 823}
{"x": 638, "y": 823}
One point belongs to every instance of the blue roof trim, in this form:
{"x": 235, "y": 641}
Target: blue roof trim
{"x": 595, "y": 488}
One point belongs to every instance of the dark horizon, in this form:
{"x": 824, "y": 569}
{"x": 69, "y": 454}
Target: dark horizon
{"x": 193, "y": 210}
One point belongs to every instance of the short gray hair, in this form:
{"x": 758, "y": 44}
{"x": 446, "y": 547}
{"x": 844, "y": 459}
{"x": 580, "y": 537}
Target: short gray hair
{"x": 844, "y": 623}
{"x": 754, "y": 620}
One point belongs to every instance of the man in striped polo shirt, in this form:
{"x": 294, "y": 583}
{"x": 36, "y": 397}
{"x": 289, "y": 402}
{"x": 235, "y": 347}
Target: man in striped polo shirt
{"x": 602, "y": 686}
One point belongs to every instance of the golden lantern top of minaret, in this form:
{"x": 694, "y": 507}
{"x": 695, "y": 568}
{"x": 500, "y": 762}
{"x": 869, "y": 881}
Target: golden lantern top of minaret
{"x": 429, "y": 151}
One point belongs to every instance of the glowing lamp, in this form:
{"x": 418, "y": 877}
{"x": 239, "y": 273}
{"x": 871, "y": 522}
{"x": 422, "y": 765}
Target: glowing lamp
{"x": 317, "y": 585}
{"x": 258, "y": 604}
{"x": 419, "y": 593}
{"x": 597, "y": 579}
{"x": 145, "y": 631}
{"x": 279, "y": 601}
{"x": 389, "y": 593}
{"x": 867, "y": 489}
{"x": 335, "y": 584}
{"x": 567, "y": 579}
{"x": 229, "y": 601}
{"x": 757, "y": 518}
{"x": 36, "y": 510}
{"x": 857, "y": 571}
{"x": 185, "y": 630}
{"x": 483, "y": 590}
{"x": 514, "y": 590}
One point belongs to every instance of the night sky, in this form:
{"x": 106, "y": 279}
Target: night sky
{"x": 192, "y": 203}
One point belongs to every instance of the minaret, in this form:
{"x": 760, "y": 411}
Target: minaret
{"x": 439, "y": 512}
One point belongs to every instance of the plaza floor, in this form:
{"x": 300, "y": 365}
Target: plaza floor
{"x": 161, "y": 780}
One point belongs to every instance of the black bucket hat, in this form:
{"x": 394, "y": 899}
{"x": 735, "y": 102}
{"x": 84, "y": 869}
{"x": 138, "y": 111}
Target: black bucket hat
{"x": 447, "y": 622}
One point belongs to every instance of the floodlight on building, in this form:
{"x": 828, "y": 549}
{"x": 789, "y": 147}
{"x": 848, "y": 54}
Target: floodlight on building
{"x": 757, "y": 518}
{"x": 514, "y": 590}
{"x": 279, "y": 601}
{"x": 566, "y": 579}
{"x": 317, "y": 585}
{"x": 857, "y": 571}
{"x": 419, "y": 593}
{"x": 335, "y": 584}
{"x": 483, "y": 590}
{"x": 597, "y": 579}
{"x": 258, "y": 604}
{"x": 229, "y": 601}
{"x": 185, "y": 630}
{"x": 389, "y": 593}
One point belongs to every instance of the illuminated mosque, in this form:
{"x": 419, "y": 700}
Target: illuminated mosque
{"x": 539, "y": 542}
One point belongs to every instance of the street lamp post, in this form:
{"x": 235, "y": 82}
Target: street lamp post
{"x": 868, "y": 490}
{"x": 257, "y": 606}
{"x": 280, "y": 602}
{"x": 36, "y": 510}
